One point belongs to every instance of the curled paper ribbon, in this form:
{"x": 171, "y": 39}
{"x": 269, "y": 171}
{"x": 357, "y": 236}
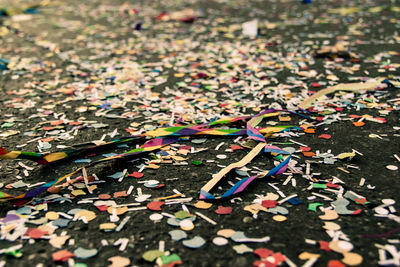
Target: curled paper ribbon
{"x": 352, "y": 87}
{"x": 163, "y": 137}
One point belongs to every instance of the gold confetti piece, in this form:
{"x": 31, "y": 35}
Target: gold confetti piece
{"x": 255, "y": 208}
{"x": 279, "y": 218}
{"x": 329, "y": 215}
{"x": 119, "y": 211}
{"x": 59, "y": 241}
{"x": 331, "y": 226}
{"x": 153, "y": 166}
{"x": 179, "y": 75}
{"x": 203, "y": 205}
{"x": 77, "y": 192}
{"x": 178, "y": 158}
{"x": 92, "y": 187}
{"x": 284, "y": 118}
{"x": 52, "y": 215}
{"x": 226, "y": 232}
{"x": 89, "y": 215}
{"x": 307, "y": 255}
{"x": 118, "y": 261}
{"x": 346, "y": 155}
{"x": 107, "y": 226}
{"x": 351, "y": 258}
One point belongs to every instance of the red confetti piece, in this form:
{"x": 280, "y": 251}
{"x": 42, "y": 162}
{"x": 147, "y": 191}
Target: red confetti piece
{"x": 55, "y": 123}
{"x": 354, "y": 116}
{"x": 263, "y": 252}
{"x": 325, "y": 136}
{"x": 62, "y": 255}
{"x": 269, "y": 203}
{"x": 383, "y": 120}
{"x": 102, "y": 207}
{"x": 120, "y": 194}
{"x": 236, "y": 147}
{"x": 136, "y": 175}
{"x": 224, "y": 210}
{"x": 330, "y": 185}
{"x": 35, "y": 233}
{"x": 356, "y": 212}
{"x": 335, "y": 263}
{"x": 361, "y": 201}
{"x": 305, "y": 148}
{"x": 104, "y": 196}
{"x": 48, "y": 128}
{"x": 324, "y": 245}
{"x": 316, "y": 84}
{"x": 155, "y": 205}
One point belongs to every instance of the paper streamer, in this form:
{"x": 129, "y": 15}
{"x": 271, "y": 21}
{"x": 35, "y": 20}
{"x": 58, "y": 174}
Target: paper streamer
{"x": 353, "y": 87}
{"x": 164, "y": 136}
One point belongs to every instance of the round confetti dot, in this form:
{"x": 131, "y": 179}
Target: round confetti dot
{"x": 221, "y": 156}
{"x": 279, "y": 218}
{"x": 340, "y": 246}
{"x": 186, "y": 225}
{"x": 52, "y": 215}
{"x": 156, "y": 217}
{"x": 392, "y": 167}
{"x": 220, "y": 241}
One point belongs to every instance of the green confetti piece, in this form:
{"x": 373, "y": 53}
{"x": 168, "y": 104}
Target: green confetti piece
{"x": 197, "y": 162}
{"x": 169, "y": 259}
{"x": 182, "y": 214}
{"x": 151, "y": 255}
{"x": 314, "y": 206}
{"x": 16, "y": 253}
{"x": 321, "y": 186}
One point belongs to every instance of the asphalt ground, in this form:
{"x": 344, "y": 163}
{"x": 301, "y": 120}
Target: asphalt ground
{"x": 88, "y": 62}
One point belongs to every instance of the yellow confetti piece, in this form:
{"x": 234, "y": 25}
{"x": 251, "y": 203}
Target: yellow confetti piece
{"x": 351, "y": 258}
{"x": 179, "y": 75}
{"x": 227, "y": 233}
{"x": 78, "y": 192}
{"x": 52, "y": 215}
{"x": 178, "y": 158}
{"x": 279, "y": 218}
{"x": 107, "y": 226}
{"x": 203, "y": 205}
{"x": 89, "y": 215}
{"x": 307, "y": 255}
{"x": 119, "y": 211}
{"x": 346, "y": 155}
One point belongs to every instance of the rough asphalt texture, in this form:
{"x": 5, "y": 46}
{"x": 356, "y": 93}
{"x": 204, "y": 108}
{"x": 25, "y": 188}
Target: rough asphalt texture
{"x": 71, "y": 47}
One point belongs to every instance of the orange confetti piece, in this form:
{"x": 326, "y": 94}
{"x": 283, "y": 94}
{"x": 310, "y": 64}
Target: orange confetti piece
{"x": 358, "y": 123}
{"x": 309, "y": 130}
{"x": 308, "y": 154}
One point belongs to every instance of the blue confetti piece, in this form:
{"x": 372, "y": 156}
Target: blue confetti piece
{"x": 116, "y": 175}
{"x": 83, "y": 161}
